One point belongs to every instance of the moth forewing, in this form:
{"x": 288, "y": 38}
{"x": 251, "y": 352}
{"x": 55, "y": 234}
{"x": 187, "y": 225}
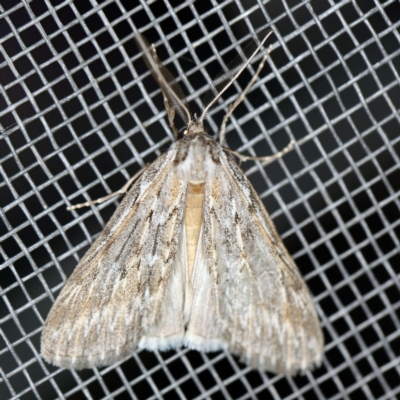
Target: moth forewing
{"x": 190, "y": 257}
{"x": 112, "y": 301}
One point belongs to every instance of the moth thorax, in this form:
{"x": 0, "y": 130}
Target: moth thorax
{"x": 195, "y": 159}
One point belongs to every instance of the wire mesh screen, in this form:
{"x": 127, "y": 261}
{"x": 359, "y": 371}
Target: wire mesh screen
{"x": 80, "y": 114}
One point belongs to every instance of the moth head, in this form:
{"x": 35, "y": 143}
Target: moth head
{"x": 194, "y": 127}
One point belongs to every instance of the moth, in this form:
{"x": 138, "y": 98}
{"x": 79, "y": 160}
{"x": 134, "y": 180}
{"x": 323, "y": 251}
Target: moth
{"x": 189, "y": 258}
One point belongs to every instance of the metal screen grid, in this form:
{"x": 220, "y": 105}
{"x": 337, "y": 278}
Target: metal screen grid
{"x": 80, "y": 115}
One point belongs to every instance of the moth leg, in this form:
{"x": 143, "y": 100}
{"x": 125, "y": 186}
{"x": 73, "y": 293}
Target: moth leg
{"x": 167, "y": 104}
{"x": 171, "y": 116}
{"x": 232, "y": 106}
{"x": 123, "y": 190}
{"x": 264, "y": 159}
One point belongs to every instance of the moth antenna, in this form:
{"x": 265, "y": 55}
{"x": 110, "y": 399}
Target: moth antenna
{"x": 240, "y": 98}
{"x": 226, "y": 78}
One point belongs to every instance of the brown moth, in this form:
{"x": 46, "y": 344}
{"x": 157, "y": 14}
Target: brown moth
{"x": 189, "y": 258}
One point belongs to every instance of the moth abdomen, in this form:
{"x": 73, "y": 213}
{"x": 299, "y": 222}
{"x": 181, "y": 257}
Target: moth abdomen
{"x": 193, "y": 220}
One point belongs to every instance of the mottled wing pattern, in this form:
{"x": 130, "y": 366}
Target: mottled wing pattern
{"x": 112, "y": 301}
{"x": 258, "y": 306}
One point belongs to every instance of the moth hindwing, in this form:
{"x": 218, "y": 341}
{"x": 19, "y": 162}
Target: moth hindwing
{"x": 189, "y": 258}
